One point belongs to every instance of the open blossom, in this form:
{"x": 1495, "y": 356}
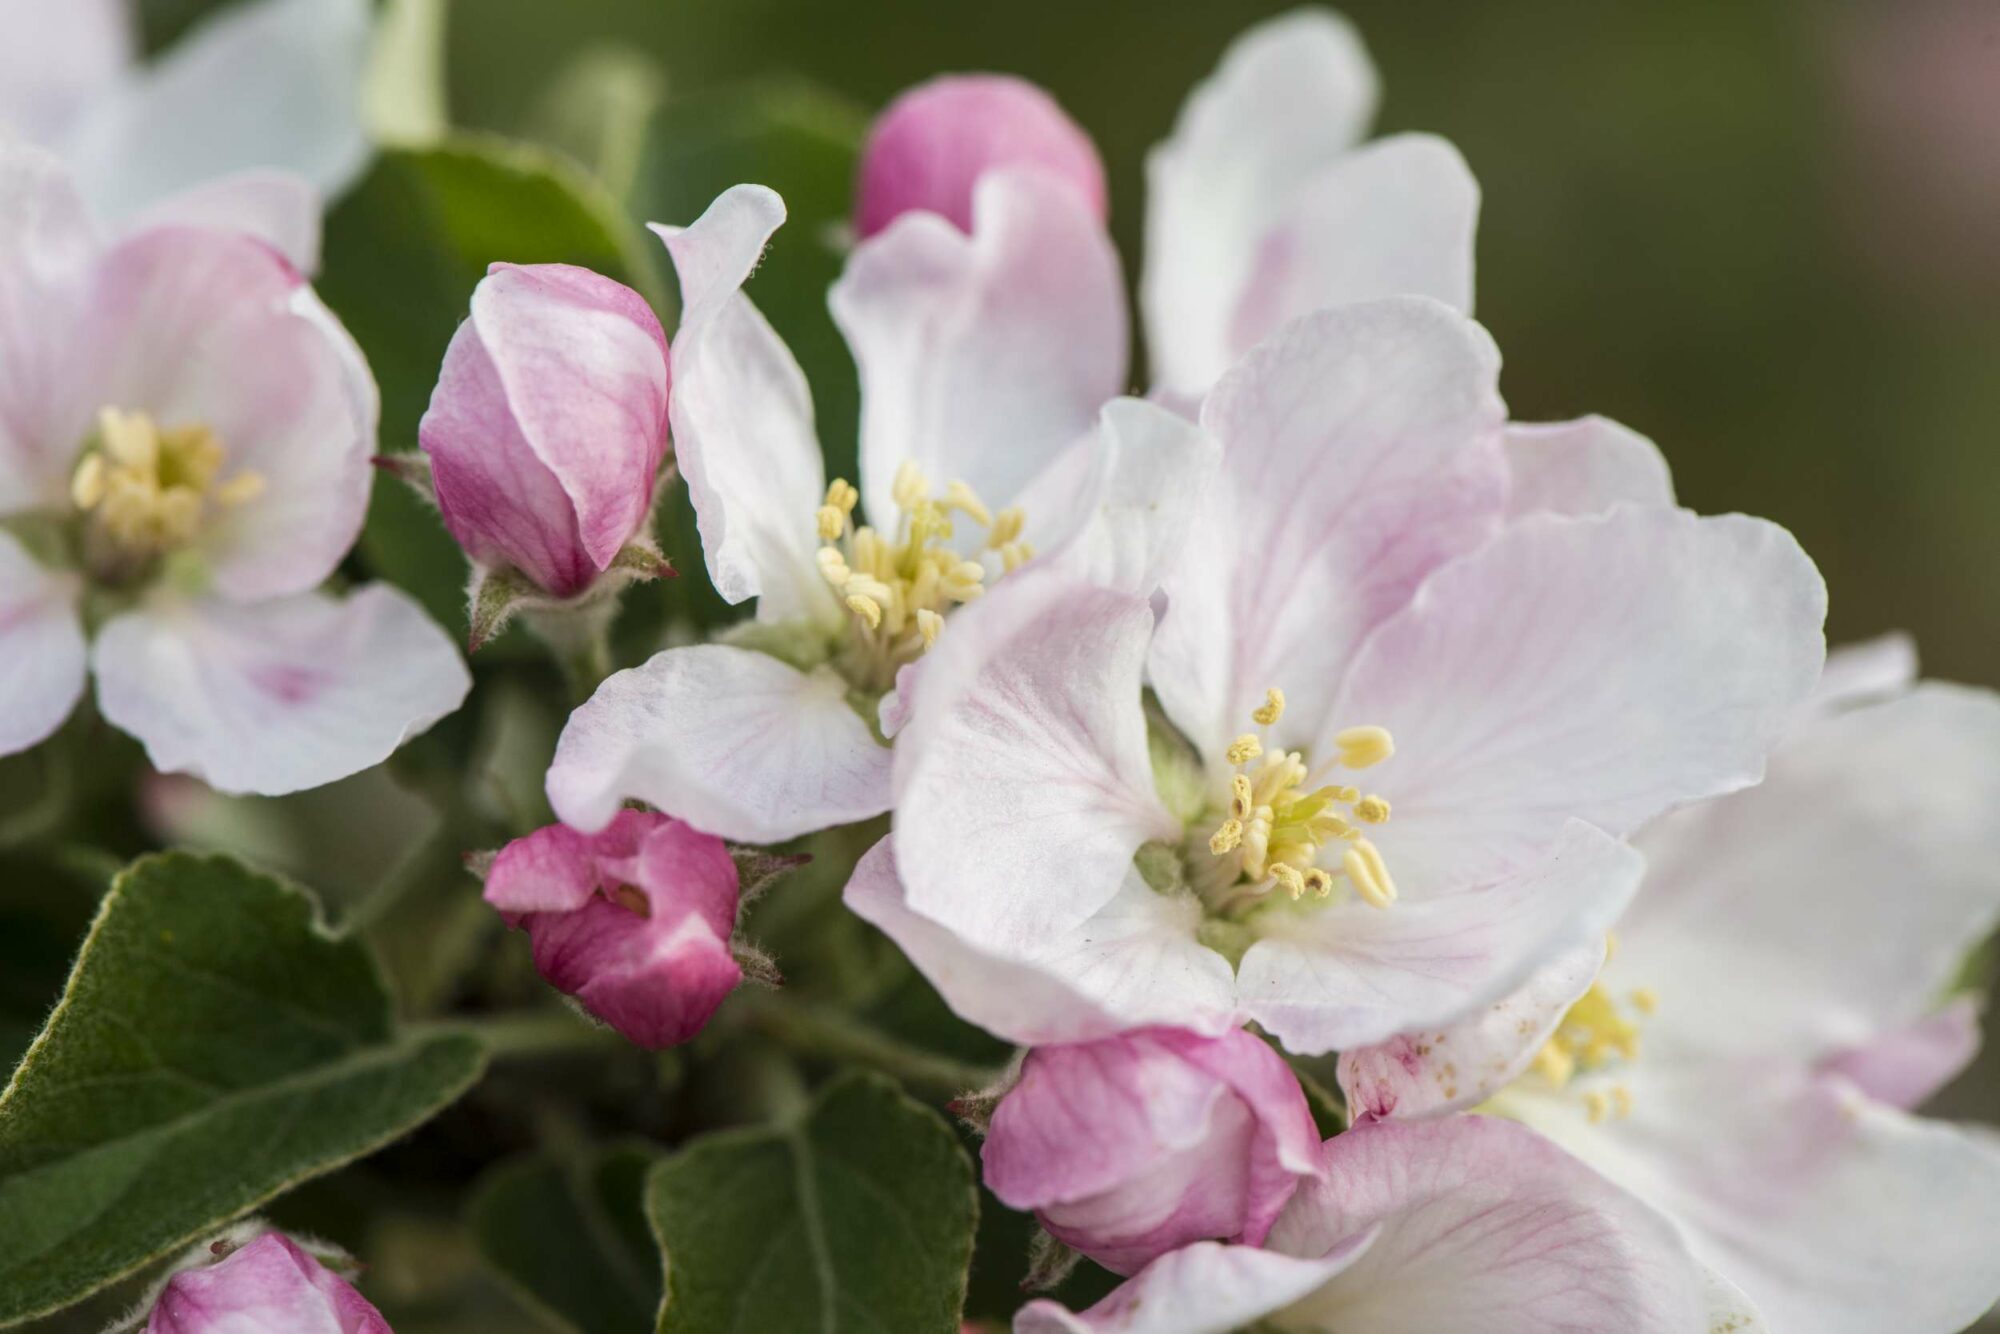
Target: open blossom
{"x": 548, "y": 423}
{"x": 635, "y": 921}
{"x": 169, "y": 139}
{"x": 1463, "y": 1224}
{"x": 1774, "y": 1001}
{"x": 991, "y": 437}
{"x": 184, "y": 442}
{"x": 1394, "y": 753}
{"x": 262, "y": 1285}
{"x": 929, "y": 147}
{"x": 1131, "y": 1146}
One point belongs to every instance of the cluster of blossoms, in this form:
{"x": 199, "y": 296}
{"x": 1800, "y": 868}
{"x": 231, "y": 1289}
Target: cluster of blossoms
{"x": 1302, "y": 706}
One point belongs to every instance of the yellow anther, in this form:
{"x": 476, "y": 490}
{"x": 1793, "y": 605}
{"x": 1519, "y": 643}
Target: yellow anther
{"x": 1273, "y": 708}
{"x": 833, "y": 566}
{"x": 841, "y": 495}
{"x": 129, "y": 438}
{"x": 1621, "y": 1101}
{"x": 1014, "y": 555}
{"x": 868, "y": 586}
{"x": 1005, "y": 530}
{"x": 241, "y": 489}
{"x": 1645, "y": 1000}
{"x": 829, "y": 522}
{"x": 867, "y": 608}
{"x": 910, "y": 487}
{"x": 958, "y": 496}
{"x": 1361, "y": 747}
{"x": 1597, "y": 1106}
{"x": 1240, "y": 802}
{"x": 1368, "y": 874}
{"x": 1226, "y": 837}
{"x": 1290, "y": 877}
{"x": 929, "y": 624}
{"x": 1554, "y": 1064}
{"x": 1372, "y": 809}
{"x": 1319, "y": 882}
{"x": 1244, "y": 749}
{"x": 964, "y": 581}
{"x": 88, "y": 486}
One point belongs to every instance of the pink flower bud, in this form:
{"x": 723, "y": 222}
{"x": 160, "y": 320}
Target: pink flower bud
{"x": 935, "y": 141}
{"x": 634, "y": 922}
{"x": 267, "y": 1284}
{"x": 1129, "y": 1147}
{"x": 548, "y": 422}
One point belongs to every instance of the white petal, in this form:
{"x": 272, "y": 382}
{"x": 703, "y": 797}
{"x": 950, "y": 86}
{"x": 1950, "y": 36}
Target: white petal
{"x": 1863, "y": 673}
{"x": 1432, "y": 1071}
{"x": 272, "y": 697}
{"x": 1132, "y": 964}
{"x": 1605, "y": 669}
{"x": 1348, "y": 975}
{"x": 733, "y": 741}
{"x": 1125, "y": 495}
{"x": 1023, "y": 785}
{"x": 41, "y": 647}
{"x": 47, "y": 249}
{"x": 1361, "y": 447}
{"x": 279, "y": 209}
{"x": 272, "y": 84}
{"x": 1836, "y": 899}
{"x": 982, "y": 357}
{"x": 742, "y": 417}
{"x": 1583, "y": 467}
{"x": 1483, "y": 1225}
{"x": 1206, "y": 1288}
{"x": 1291, "y": 95}
{"x": 1393, "y": 218}
{"x": 58, "y": 60}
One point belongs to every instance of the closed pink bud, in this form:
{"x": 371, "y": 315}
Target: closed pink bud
{"x": 937, "y": 139}
{"x": 635, "y": 922}
{"x": 1132, "y": 1146}
{"x": 268, "y": 1284}
{"x": 548, "y": 422}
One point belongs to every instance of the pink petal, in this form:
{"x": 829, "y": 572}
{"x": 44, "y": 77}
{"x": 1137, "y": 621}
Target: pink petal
{"x": 1360, "y": 449}
{"x": 41, "y": 648}
{"x": 47, "y": 250}
{"x": 59, "y": 60}
{"x": 929, "y": 148}
{"x": 273, "y": 697}
{"x": 743, "y": 419}
{"x": 1867, "y": 672}
{"x": 268, "y": 1284}
{"x": 1206, "y": 1288}
{"x": 982, "y": 357}
{"x": 1582, "y": 467}
{"x": 733, "y": 741}
{"x": 275, "y": 207}
{"x": 1906, "y": 1067}
{"x": 556, "y": 868}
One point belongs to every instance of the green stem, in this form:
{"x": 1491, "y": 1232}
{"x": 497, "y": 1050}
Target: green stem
{"x": 817, "y": 1034}
{"x": 527, "y": 1034}
{"x": 578, "y": 637}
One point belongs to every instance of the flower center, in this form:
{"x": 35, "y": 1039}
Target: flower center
{"x": 147, "y": 489}
{"x": 1597, "y": 1032}
{"x": 1276, "y": 828}
{"x": 898, "y": 588}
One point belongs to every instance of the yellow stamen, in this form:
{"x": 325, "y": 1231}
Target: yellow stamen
{"x": 958, "y": 496}
{"x": 241, "y": 489}
{"x": 1290, "y": 877}
{"x": 867, "y": 608}
{"x": 1005, "y": 530}
{"x": 148, "y": 490}
{"x": 929, "y": 623}
{"x": 1244, "y": 749}
{"x": 1597, "y": 1105}
{"x": 1366, "y": 872}
{"x": 1272, "y": 710}
{"x": 87, "y": 488}
{"x": 1226, "y": 836}
{"x": 1645, "y": 1000}
{"x": 1372, "y": 809}
{"x": 910, "y": 487}
{"x": 1361, "y": 747}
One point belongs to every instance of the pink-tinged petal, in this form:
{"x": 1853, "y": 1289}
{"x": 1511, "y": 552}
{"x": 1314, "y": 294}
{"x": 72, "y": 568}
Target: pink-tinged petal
{"x": 982, "y": 357}
{"x": 1600, "y": 669}
{"x": 1206, "y": 1288}
{"x": 181, "y": 119}
{"x": 1361, "y": 448}
{"x": 1393, "y": 218}
{"x": 275, "y": 207}
{"x": 1446, "y": 1069}
{"x": 1836, "y": 900}
{"x": 929, "y": 148}
{"x": 1582, "y": 467}
{"x": 42, "y": 650}
{"x": 267, "y": 1284}
{"x": 557, "y": 868}
{"x": 1906, "y": 1067}
{"x": 1023, "y": 784}
{"x": 59, "y": 60}
{"x": 549, "y": 421}
{"x": 47, "y": 250}
{"x": 1347, "y": 975}
{"x": 733, "y": 741}
{"x": 1867, "y": 672}
{"x": 1484, "y": 1225}
{"x": 743, "y": 418}
{"x": 1290, "y": 97}
{"x": 1133, "y": 963}
{"x": 272, "y": 697}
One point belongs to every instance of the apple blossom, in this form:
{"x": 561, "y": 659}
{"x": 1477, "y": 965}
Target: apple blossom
{"x": 635, "y": 921}
{"x": 184, "y": 441}
{"x": 929, "y": 147}
{"x": 990, "y": 432}
{"x": 1339, "y": 607}
{"x": 168, "y": 140}
{"x": 262, "y": 1284}
{"x": 1744, "y": 1058}
{"x": 548, "y": 424}
{"x": 1131, "y": 1146}
{"x": 1462, "y": 1224}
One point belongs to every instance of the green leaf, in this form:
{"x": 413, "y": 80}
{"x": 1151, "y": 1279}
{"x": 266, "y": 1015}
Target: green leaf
{"x": 403, "y": 251}
{"x": 215, "y": 1046}
{"x": 859, "y": 1217}
{"x": 572, "y": 1237}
